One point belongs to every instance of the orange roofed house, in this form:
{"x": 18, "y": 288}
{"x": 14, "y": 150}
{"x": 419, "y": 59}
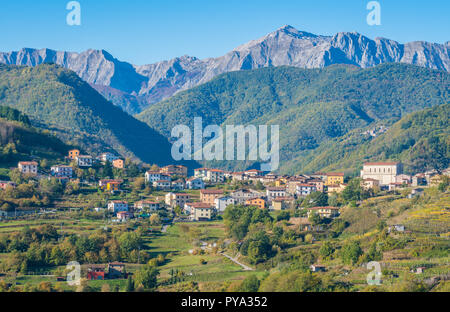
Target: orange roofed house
{"x": 257, "y": 202}
{"x": 28, "y": 167}
{"x": 177, "y": 170}
{"x": 210, "y": 196}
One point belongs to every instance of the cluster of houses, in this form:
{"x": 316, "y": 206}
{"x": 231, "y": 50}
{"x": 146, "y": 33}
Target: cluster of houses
{"x": 65, "y": 172}
{"x": 390, "y": 176}
{"x": 280, "y": 191}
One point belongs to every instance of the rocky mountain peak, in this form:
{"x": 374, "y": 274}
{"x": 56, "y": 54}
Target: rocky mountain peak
{"x": 148, "y": 84}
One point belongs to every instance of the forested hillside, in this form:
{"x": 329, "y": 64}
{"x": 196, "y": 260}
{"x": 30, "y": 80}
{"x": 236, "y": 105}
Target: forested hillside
{"x": 312, "y": 106}
{"x": 56, "y": 99}
{"x": 420, "y": 140}
{"x": 20, "y": 141}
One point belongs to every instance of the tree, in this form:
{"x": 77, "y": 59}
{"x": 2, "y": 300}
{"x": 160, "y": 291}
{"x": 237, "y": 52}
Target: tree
{"x": 155, "y": 219}
{"x": 326, "y": 250}
{"x": 139, "y": 184}
{"x": 108, "y": 170}
{"x": 284, "y": 215}
{"x": 373, "y": 254}
{"x": 309, "y": 238}
{"x": 354, "y": 191}
{"x": 351, "y": 252}
{"x": 147, "y": 277}
{"x": 249, "y": 284}
{"x": 130, "y": 284}
{"x": 315, "y": 219}
{"x": 178, "y": 211}
{"x": 316, "y": 199}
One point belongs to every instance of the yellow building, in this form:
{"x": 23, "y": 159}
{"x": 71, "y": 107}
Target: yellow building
{"x": 257, "y": 202}
{"x": 335, "y": 178}
{"x": 282, "y": 203}
{"x": 336, "y": 188}
{"x": 113, "y": 186}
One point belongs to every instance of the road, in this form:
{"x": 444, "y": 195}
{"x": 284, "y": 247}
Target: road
{"x": 245, "y": 267}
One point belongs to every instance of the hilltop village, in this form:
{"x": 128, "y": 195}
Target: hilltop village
{"x": 249, "y": 188}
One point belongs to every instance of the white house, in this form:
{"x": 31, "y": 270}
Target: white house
{"x": 28, "y": 167}
{"x": 84, "y": 161}
{"x": 195, "y": 184}
{"x": 305, "y": 189}
{"x": 145, "y": 205}
{"x": 162, "y": 185}
{"x": 201, "y": 173}
{"x": 223, "y": 202}
{"x": 152, "y": 176}
{"x": 242, "y": 195}
{"x": 62, "y": 171}
{"x": 178, "y": 185}
{"x": 117, "y": 206}
{"x": 108, "y": 157}
{"x": 274, "y": 192}
{"x": 215, "y": 176}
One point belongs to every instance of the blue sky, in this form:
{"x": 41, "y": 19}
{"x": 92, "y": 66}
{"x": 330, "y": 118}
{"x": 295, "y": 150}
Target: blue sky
{"x": 146, "y": 31}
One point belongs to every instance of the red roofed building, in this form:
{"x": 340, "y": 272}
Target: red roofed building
{"x": 210, "y": 196}
{"x": 28, "y": 167}
{"x": 384, "y": 172}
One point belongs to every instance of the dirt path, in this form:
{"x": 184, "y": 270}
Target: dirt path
{"x": 245, "y": 267}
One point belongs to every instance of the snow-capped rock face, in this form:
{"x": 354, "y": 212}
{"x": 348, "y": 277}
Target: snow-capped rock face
{"x": 285, "y": 46}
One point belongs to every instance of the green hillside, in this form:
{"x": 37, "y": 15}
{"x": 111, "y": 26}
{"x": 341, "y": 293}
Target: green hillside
{"x": 56, "y": 99}
{"x": 19, "y": 141}
{"x": 312, "y": 106}
{"x": 420, "y": 140}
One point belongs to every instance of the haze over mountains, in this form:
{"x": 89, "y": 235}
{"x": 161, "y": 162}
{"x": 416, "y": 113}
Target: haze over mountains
{"x": 135, "y": 88}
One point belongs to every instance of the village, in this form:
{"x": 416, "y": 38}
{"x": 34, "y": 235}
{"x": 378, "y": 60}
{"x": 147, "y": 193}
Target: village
{"x": 263, "y": 190}
{"x": 162, "y": 202}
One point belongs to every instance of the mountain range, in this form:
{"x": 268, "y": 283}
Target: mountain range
{"x": 136, "y": 87}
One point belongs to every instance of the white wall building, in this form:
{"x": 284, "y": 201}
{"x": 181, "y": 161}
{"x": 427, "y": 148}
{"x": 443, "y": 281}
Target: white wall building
{"x": 62, "y": 171}
{"x": 117, "y": 206}
{"x": 28, "y": 167}
{"x": 195, "y": 184}
{"x": 385, "y": 172}
{"x": 274, "y": 192}
{"x": 223, "y": 202}
{"x": 84, "y": 161}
